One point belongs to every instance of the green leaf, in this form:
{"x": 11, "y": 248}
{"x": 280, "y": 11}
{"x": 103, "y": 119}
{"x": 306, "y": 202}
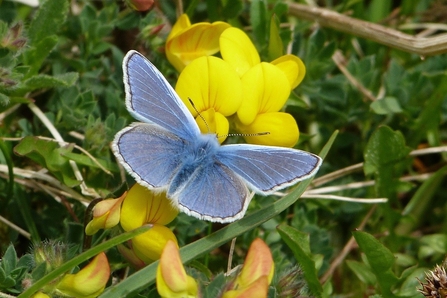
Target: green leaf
{"x": 9, "y": 259}
{"x": 430, "y": 116}
{"x": 379, "y": 10}
{"x": 87, "y": 161}
{"x": 416, "y": 210}
{"x": 362, "y": 271}
{"x": 8, "y": 282}
{"x": 380, "y": 259}
{"x": 387, "y": 105}
{"x": 49, "y": 155}
{"x": 4, "y": 99}
{"x": 298, "y": 242}
{"x": 232, "y": 8}
{"x": 258, "y": 18}
{"x": 386, "y": 157}
{"x": 275, "y": 49}
{"x": 45, "y": 81}
{"x": 48, "y": 20}
{"x": 2, "y": 275}
{"x": 36, "y": 54}
{"x": 432, "y": 244}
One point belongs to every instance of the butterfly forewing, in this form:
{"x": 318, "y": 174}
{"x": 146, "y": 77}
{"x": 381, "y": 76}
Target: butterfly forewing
{"x": 267, "y": 169}
{"x": 149, "y": 153}
{"x": 150, "y": 98}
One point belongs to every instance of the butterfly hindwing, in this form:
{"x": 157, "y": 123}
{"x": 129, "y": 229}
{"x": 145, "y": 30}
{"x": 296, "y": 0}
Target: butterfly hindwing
{"x": 214, "y": 193}
{"x": 149, "y": 153}
{"x": 267, "y": 168}
{"x": 150, "y": 98}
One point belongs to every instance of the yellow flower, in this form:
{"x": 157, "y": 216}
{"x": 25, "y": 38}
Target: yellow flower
{"x": 89, "y": 281}
{"x": 238, "y": 50}
{"x": 293, "y": 68}
{"x": 149, "y": 245}
{"x": 256, "y": 274}
{"x": 215, "y": 90}
{"x": 187, "y": 42}
{"x": 106, "y": 214}
{"x": 143, "y": 206}
{"x": 172, "y": 280}
{"x": 266, "y": 88}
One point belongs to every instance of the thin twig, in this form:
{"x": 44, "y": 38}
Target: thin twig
{"x": 431, "y": 26}
{"x": 47, "y": 178}
{"x": 424, "y": 46}
{"x": 344, "y": 199}
{"x": 230, "y": 255}
{"x": 337, "y": 174}
{"x": 4, "y": 295}
{"x": 339, "y": 59}
{"x": 430, "y": 150}
{"x": 16, "y": 228}
{"x": 9, "y": 111}
{"x": 359, "y": 166}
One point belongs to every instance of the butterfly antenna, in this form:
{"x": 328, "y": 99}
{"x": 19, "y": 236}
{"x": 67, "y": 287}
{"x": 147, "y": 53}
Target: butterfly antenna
{"x": 198, "y": 113}
{"x": 245, "y": 134}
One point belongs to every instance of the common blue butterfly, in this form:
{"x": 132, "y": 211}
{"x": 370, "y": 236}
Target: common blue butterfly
{"x": 167, "y": 152}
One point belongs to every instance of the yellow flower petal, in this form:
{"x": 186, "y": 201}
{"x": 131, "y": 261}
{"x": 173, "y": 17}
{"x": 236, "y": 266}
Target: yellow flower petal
{"x": 258, "y": 263}
{"x": 237, "y": 49}
{"x": 265, "y": 89}
{"x": 106, "y": 214}
{"x": 149, "y": 245}
{"x": 214, "y": 123}
{"x": 210, "y": 82}
{"x": 258, "y": 289}
{"x": 186, "y": 42}
{"x": 182, "y": 23}
{"x": 282, "y": 128}
{"x": 143, "y": 206}
{"x": 90, "y": 281}
{"x": 293, "y": 68}
{"x": 172, "y": 280}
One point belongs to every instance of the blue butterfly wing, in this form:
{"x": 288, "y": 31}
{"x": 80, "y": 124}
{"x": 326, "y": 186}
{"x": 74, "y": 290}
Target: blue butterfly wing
{"x": 267, "y": 169}
{"x": 150, "y": 98}
{"x": 214, "y": 193}
{"x": 149, "y": 153}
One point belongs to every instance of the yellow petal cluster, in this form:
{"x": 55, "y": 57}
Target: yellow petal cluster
{"x": 143, "y": 206}
{"x": 253, "y": 103}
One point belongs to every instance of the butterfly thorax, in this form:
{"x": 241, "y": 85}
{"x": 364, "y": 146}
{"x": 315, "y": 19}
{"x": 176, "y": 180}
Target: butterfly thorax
{"x": 197, "y": 155}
